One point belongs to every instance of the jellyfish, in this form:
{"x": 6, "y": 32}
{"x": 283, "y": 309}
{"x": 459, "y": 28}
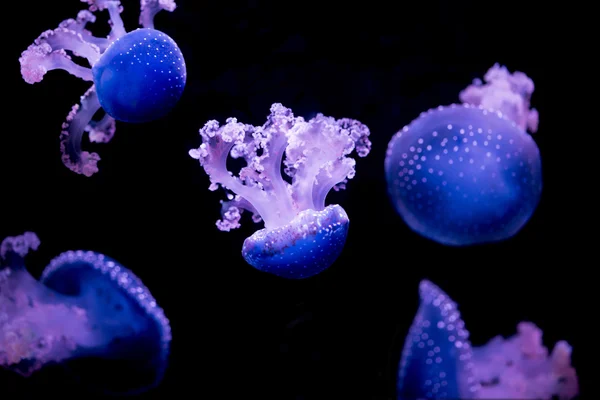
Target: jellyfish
{"x": 136, "y": 77}
{"x": 470, "y": 173}
{"x": 438, "y": 361}
{"x": 86, "y": 306}
{"x": 301, "y": 236}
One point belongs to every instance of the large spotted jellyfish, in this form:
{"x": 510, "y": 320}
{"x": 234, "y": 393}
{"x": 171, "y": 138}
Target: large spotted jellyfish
{"x": 302, "y": 237}
{"x": 87, "y": 309}
{"x": 137, "y": 76}
{"x": 438, "y": 361}
{"x": 470, "y": 173}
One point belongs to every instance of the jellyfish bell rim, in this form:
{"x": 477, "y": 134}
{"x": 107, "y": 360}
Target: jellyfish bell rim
{"x": 411, "y": 220}
{"x": 112, "y": 271}
{"x": 261, "y": 236}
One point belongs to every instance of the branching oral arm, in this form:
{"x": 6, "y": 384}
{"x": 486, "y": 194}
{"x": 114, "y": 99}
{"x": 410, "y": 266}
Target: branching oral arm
{"x": 507, "y": 93}
{"x": 149, "y": 9}
{"x": 301, "y": 236}
{"x": 315, "y": 158}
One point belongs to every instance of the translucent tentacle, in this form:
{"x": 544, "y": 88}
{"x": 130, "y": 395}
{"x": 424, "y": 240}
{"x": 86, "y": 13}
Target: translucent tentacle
{"x": 149, "y": 8}
{"x": 101, "y": 131}
{"x": 39, "y": 59}
{"x": 115, "y": 9}
{"x": 231, "y": 213}
{"x": 79, "y": 118}
{"x": 27, "y": 311}
{"x": 79, "y": 25}
{"x": 66, "y": 39}
{"x": 49, "y": 51}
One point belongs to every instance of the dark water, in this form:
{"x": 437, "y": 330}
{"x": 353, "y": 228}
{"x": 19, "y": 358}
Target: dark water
{"x": 238, "y": 332}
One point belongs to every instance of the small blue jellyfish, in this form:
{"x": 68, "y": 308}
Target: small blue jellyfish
{"x": 86, "y": 306}
{"x": 302, "y": 237}
{"x": 137, "y": 76}
{"x": 469, "y": 174}
{"x": 438, "y": 361}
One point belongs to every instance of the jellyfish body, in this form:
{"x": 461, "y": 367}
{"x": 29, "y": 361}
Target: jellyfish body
{"x": 86, "y": 306}
{"x": 469, "y": 174}
{"x": 438, "y": 361}
{"x": 140, "y": 77}
{"x": 137, "y": 76}
{"x": 301, "y": 237}
{"x": 317, "y": 239}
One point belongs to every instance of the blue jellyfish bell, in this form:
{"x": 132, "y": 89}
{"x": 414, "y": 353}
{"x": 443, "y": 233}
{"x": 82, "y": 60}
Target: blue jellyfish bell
{"x": 470, "y": 173}
{"x": 88, "y": 312}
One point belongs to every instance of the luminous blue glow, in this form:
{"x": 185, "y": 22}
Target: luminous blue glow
{"x": 87, "y": 311}
{"x": 140, "y": 77}
{"x": 433, "y": 363}
{"x": 128, "y": 318}
{"x": 303, "y": 248}
{"x": 463, "y": 175}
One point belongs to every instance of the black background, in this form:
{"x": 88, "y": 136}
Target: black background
{"x": 241, "y": 333}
